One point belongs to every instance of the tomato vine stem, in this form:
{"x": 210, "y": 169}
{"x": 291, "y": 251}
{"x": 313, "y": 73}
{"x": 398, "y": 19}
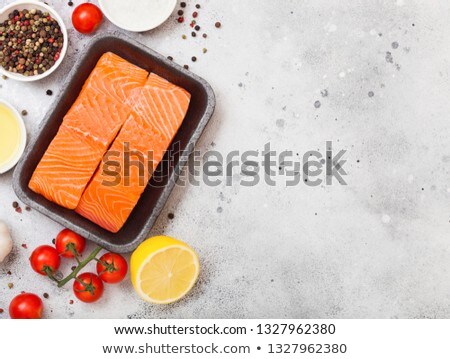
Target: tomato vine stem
{"x": 80, "y": 266}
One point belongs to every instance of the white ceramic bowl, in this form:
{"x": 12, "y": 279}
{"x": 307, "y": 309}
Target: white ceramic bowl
{"x": 23, "y": 140}
{"x": 20, "y": 5}
{"x": 126, "y": 14}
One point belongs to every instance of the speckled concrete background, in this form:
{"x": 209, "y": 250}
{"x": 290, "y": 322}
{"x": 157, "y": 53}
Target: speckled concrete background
{"x": 377, "y": 248}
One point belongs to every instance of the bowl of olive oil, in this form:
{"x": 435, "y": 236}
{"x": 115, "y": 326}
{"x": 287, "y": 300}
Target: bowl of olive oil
{"x": 13, "y": 136}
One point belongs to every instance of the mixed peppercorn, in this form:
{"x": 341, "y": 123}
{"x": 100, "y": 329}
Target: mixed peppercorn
{"x": 194, "y": 25}
{"x": 30, "y": 42}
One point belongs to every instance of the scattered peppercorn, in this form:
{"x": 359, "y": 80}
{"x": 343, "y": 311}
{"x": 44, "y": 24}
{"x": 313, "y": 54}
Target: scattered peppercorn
{"x": 8, "y": 272}
{"x": 194, "y": 59}
{"x": 171, "y": 216}
{"x": 15, "y": 204}
{"x": 49, "y": 92}
{"x": 181, "y": 19}
{"x": 194, "y": 34}
{"x": 27, "y": 208}
{"x": 4, "y": 77}
{"x": 24, "y": 245}
{"x": 46, "y": 295}
{"x": 170, "y": 58}
{"x": 183, "y": 4}
{"x": 184, "y": 37}
{"x": 205, "y": 51}
{"x": 205, "y": 36}
{"x": 54, "y": 240}
{"x": 195, "y": 14}
{"x": 1, "y": 310}
{"x": 19, "y": 210}
{"x": 70, "y": 3}
{"x": 197, "y": 6}
{"x": 186, "y": 67}
{"x": 31, "y": 42}
{"x": 73, "y": 268}
{"x": 197, "y": 28}
{"x": 218, "y": 24}
{"x": 10, "y": 285}
{"x": 180, "y": 12}
{"x": 71, "y": 301}
{"x": 24, "y": 112}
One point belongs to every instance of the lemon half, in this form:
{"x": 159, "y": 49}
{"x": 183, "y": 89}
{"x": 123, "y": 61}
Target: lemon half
{"x": 163, "y": 269}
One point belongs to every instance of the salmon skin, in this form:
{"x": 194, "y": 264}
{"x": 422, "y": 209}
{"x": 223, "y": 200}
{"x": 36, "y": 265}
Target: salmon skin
{"x": 146, "y": 135}
{"x": 90, "y": 126}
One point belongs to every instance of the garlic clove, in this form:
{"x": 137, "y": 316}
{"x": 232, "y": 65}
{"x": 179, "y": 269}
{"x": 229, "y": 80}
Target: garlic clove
{"x": 6, "y": 243}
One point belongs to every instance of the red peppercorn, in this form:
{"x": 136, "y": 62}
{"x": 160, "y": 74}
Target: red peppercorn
{"x": 195, "y": 14}
{"x": 51, "y": 40}
{"x": 180, "y": 19}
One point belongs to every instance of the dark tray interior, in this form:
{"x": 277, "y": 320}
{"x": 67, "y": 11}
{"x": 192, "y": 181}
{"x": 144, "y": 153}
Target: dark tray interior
{"x": 156, "y": 194}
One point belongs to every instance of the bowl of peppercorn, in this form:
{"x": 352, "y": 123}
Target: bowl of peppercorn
{"x": 33, "y": 40}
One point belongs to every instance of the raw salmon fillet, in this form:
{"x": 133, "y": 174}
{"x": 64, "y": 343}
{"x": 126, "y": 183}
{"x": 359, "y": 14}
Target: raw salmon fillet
{"x": 146, "y": 135}
{"x": 87, "y": 130}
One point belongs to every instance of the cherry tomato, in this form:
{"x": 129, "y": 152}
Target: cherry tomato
{"x": 88, "y": 287}
{"x": 68, "y": 242}
{"x": 112, "y": 268}
{"x": 44, "y": 260}
{"x": 86, "y": 18}
{"x": 26, "y": 306}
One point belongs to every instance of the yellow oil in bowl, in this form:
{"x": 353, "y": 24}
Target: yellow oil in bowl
{"x": 12, "y": 137}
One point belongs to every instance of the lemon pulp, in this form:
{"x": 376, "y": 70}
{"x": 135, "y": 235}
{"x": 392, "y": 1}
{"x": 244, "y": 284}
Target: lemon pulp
{"x": 9, "y": 135}
{"x": 164, "y": 269}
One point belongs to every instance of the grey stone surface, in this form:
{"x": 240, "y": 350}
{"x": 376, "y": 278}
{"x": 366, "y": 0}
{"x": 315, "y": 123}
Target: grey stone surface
{"x": 376, "y": 248}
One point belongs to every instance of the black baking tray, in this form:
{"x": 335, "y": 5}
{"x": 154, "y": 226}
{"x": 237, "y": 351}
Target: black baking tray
{"x": 147, "y": 210}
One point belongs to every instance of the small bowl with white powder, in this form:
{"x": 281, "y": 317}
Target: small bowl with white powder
{"x": 137, "y": 15}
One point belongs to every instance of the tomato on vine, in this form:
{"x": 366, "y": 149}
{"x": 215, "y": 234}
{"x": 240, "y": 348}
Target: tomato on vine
{"x": 112, "y": 268}
{"x": 45, "y": 260}
{"x": 69, "y": 244}
{"x": 88, "y": 287}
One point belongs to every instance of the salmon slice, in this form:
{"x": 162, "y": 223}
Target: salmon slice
{"x": 159, "y": 111}
{"x": 87, "y": 130}
{"x": 116, "y": 78}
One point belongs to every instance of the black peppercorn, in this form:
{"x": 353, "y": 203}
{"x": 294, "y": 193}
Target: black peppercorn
{"x": 32, "y": 42}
